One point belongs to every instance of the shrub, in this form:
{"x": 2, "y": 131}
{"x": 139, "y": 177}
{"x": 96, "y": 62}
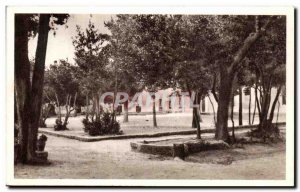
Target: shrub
{"x": 59, "y": 125}
{"x": 106, "y": 125}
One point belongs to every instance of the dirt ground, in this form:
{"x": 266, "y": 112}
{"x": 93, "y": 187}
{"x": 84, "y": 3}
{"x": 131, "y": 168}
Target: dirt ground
{"x": 113, "y": 159}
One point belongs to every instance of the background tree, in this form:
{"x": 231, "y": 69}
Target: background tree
{"x": 268, "y": 63}
{"x": 29, "y": 93}
{"x": 237, "y": 35}
{"x": 193, "y": 76}
{"x": 125, "y": 55}
{"x": 150, "y": 46}
{"x": 193, "y": 45}
{"x": 92, "y": 59}
{"x": 62, "y": 80}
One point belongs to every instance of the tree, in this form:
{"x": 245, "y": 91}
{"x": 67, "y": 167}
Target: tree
{"x": 62, "y": 80}
{"x": 92, "y": 54}
{"x": 29, "y": 92}
{"x": 237, "y": 35}
{"x": 125, "y": 57}
{"x": 193, "y": 76}
{"x": 149, "y": 46}
{"x": 268, "y": 62}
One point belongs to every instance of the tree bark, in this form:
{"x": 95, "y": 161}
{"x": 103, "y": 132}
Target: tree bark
{"x": 240, "y": 106}
{"x": 22, "y": 81}
{"x": 38, "y": 82}
{"x": 226, "y": 81}
{"x": 125, "y": 119}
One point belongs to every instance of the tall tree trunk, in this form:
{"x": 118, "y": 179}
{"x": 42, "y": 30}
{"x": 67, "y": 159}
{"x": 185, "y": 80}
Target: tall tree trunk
{"x": 125, "y": 120}
{"x": 38, "y": 81}
{"x": 22, "y": 81}
{"x": 225, "y": 89}
{"x": 154, "y": 112}
{"x": 227, "y": 75}
{"x": 240, "y": 105}
{"x": 274, "y": 104}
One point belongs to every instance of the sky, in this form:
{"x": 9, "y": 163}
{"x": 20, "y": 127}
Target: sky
{"x": 60, "y": 46}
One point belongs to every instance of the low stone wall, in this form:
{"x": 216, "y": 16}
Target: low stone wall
{"x": 152, "y": 149}
{"x": 176, "y": 149}
{"x": 110, "y": 137}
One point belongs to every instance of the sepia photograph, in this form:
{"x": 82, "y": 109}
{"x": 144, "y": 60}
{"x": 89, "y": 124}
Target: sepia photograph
{"x": 150, "y": 97}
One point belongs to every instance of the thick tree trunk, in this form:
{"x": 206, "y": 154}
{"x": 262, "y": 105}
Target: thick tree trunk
{"x": 227, "y": 75}
{"x": 125, "y": 119}
{"x": 38, "y": 82}
{"x": 22, "y": 82}
{"x": 266, "y": 99}
{"x": 240, "y": 106}
{"x": 226, "y": 81}
{"x": 154, "y": 112}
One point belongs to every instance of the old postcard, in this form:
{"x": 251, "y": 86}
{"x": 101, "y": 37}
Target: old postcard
{"x": 150, "y": 96}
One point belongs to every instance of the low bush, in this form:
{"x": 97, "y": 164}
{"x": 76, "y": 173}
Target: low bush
{"x": 59, "y": 126}
{"x": 106, "y": 125}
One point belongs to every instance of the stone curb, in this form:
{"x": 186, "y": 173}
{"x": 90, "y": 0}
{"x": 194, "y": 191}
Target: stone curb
{"x": 115, "y": 137}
